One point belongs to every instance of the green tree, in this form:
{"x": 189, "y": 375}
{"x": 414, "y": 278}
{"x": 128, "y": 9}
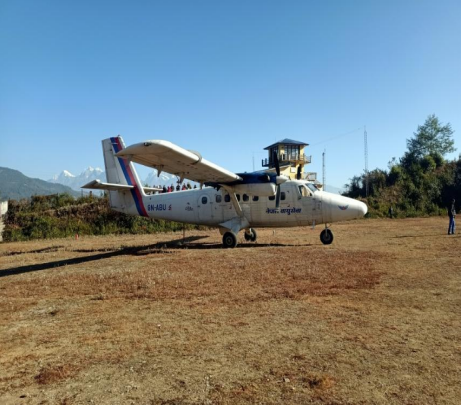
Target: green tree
{"x": 431, "y": 138}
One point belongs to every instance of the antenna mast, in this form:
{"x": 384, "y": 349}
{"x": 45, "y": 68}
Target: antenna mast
{"x": 365, "y": 142}
{"x": 323, "y": 170}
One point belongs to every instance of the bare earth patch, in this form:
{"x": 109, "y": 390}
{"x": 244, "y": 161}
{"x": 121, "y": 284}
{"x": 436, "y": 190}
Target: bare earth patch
{"x": 374, "y": 318}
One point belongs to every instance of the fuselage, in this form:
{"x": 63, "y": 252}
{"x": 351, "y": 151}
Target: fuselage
{"x": 301, "y": 204}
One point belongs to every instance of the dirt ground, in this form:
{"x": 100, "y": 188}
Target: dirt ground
{"x": 374, "y": 318}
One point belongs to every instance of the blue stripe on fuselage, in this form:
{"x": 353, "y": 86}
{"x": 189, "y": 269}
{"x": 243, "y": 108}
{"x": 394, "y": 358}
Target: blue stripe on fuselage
{"x": 124, "y": 167}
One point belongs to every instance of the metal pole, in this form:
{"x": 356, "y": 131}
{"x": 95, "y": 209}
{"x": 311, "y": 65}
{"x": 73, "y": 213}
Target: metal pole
{"x": 323, "y": 170}
{"x": 365, "y": 141}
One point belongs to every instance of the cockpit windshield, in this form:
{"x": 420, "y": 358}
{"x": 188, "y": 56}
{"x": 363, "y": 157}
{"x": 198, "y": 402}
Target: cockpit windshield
{"x": 307, "y": 190}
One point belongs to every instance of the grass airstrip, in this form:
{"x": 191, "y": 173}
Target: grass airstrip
{"x": 374, "y": 318}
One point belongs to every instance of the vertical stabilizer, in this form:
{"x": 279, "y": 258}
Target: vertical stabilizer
{"x": 121, "y": 171}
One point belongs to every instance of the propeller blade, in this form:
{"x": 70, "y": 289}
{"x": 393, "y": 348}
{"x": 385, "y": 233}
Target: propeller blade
{"x": 277, "y": 198}
{"x": 276, "y": 163}
{"x": 298, "y": 174}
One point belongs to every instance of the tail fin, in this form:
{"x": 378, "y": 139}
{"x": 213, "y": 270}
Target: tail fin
{"x": 120, "y": 171}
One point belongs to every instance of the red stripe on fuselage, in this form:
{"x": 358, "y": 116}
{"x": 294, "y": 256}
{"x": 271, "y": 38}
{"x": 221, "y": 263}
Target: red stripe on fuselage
{"x": 135, "y": 192}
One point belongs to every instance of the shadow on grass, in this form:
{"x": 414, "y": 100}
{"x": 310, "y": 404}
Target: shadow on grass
{"x": 167, "y": 247}
{"x": 419, "y": 236}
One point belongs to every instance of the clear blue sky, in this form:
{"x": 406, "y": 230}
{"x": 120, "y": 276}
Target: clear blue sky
{"x": 226, "y": 78}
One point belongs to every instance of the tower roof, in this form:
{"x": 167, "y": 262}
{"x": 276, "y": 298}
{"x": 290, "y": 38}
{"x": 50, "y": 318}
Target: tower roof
{"x": 286, "y": 141}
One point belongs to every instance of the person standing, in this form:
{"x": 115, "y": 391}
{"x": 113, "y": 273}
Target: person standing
{"x": 452, "y": 216}
{"x": 391, "y": 212}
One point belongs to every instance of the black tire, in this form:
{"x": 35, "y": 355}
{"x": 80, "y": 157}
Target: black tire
{"x": 326, "y": 236}
{"x": 229, "y": 240}
{"x": 251, "y": 236}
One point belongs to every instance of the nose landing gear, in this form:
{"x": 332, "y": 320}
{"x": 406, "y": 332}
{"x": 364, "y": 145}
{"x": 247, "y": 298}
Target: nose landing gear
{"x": 326, "y": 236}
{"x": 251, "y": 235}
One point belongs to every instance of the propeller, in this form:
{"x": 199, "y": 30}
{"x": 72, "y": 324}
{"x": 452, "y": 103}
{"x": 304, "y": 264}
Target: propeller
{"x": 298, "y": 174}
{"x": 278, "y": 180}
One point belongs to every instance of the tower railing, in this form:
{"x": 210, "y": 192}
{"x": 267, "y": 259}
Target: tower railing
{"x": 287, "y": 158}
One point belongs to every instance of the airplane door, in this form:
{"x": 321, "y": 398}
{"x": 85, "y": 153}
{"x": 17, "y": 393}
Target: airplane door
{"x": 317, "y": 210}
{"x": 205, "y": 208}
{"x": 308, "y": 209}
{"x": 311, "y": 206}
{"x": 218, "y": 207}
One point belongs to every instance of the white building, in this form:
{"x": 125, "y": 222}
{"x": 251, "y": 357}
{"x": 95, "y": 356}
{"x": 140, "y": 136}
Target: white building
{"x": 3, "y": 208}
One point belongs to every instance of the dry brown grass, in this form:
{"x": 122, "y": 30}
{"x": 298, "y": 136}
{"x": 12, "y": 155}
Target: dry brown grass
{"x": 373, "y": 318}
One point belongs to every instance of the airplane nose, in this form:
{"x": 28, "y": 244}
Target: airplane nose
{"x": 362, "y": 208}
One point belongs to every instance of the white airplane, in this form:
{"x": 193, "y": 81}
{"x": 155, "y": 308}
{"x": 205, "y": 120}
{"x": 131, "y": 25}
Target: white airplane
{"x": 229, "y": 201}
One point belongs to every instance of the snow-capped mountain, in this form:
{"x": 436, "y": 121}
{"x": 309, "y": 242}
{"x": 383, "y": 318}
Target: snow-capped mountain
{"x": 75, "y": 182}
{"x": 165, "y": 179}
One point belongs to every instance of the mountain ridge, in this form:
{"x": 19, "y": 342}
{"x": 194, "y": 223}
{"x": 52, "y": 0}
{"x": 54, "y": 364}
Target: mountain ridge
{"x": 14, "y": 185}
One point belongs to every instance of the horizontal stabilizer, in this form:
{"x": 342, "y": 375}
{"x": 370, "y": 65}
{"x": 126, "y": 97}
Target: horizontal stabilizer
{"x": 147, "y": 189}
{"x": 99, "y": 185}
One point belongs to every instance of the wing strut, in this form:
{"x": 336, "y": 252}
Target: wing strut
{"x": 234, "y": 200}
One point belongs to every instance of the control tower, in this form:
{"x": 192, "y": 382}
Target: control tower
{"x": 292, "y": 158}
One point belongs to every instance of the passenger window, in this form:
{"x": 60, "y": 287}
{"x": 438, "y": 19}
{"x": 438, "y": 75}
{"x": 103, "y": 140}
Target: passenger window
{"x": 204, "y": 200}
{"x": 255, "y": 198}
{"x": 245, "y": 197}
{"x": 272, "y": 198}
{"x": 227, "y": 198}
{"x": 282, "y": 195}
{"x": 238, "y": 197}
{"x": 218, "y": 198}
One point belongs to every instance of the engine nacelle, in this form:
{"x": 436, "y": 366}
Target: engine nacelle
{"x": 259, "y": 189}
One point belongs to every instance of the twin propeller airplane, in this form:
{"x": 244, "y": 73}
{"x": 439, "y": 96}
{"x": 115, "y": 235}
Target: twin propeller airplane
{"x": 229, "y": 201}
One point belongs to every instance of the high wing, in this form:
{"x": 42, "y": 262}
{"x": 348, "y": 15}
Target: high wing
{"x": 168, "y": 157}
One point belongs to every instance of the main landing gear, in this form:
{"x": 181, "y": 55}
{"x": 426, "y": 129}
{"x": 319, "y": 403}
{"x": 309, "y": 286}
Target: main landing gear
{"x": 326, "y": 236}
{"x": 229, "y": 239}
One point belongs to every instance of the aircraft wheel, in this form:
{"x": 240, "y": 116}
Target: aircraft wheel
{"x": 326, "y": 236}
{"x": 229, "y": 240}
{"x": 251, "y": 235}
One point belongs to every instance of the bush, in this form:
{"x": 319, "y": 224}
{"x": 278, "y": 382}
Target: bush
{"x": 45, "y": 217}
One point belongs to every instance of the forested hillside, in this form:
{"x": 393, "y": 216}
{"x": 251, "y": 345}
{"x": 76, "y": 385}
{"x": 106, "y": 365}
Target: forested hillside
{"x": 420, "y": 183}
{"x": 14, "y": 185}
